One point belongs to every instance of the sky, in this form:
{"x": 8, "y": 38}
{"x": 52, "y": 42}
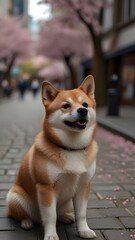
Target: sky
{"x": 38, "y": 11}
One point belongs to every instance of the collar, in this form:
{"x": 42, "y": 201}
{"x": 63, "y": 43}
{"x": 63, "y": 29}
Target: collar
{"x": 72, "y": 149}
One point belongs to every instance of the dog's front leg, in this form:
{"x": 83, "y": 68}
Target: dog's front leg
{"x": 80, "y": 205}
{"x": 47, "y": 205}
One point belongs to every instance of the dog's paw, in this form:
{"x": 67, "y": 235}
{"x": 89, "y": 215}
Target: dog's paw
{"x": 67, "y": 218}
{"x": 51, "y": 237}
{"x": 87, "y": 234}
{"x": 27, "y": 224}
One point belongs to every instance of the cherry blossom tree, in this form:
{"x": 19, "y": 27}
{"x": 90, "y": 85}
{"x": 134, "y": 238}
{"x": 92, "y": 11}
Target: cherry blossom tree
{"x": 89, "y": 13}
{"x": 63, "y": 42}
{"x": 14, "y": 42}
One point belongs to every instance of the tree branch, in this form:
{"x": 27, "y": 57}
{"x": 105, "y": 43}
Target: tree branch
{"x": 88, "y": 25}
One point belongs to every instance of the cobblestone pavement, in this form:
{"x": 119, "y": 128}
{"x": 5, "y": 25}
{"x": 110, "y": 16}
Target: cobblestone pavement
{"x": 111, "y": 208}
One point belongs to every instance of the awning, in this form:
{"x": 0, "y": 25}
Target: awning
{"x": 120, "y": 52}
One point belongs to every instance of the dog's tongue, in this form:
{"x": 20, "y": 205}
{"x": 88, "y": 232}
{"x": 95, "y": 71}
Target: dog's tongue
{"x": 81, "y": 122}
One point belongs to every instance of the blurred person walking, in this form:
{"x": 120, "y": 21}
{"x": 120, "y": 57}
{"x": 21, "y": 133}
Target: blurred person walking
{"x": 7, "y": 90}
{"x": 35, "y": 87}
{"x": 22, "y": 87}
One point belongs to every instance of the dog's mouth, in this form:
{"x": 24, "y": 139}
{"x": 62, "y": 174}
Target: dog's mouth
{"x": 81, "y": 124}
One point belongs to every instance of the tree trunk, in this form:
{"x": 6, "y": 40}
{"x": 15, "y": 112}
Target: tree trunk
{"x": 99, "y": 73}
{"x": 99, "y": 64}
{"x": 9, "y": 65}
{"x": 72, "y": 70}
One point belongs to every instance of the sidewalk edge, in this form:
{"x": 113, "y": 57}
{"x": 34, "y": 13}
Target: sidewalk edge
{"x": 115, "y": 131}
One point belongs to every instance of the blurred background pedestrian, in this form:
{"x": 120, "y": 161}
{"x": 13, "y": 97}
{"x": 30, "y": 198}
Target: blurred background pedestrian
{"x": 35, "y": 87}
{"x": 22, "y": 87}
{"x": 7, "y": 90}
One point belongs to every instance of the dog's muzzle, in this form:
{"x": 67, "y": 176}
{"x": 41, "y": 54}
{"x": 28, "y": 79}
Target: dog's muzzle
{"x": 81, "y": 121}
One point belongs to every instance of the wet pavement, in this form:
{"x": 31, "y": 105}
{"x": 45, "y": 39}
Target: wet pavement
{"x": 111, "y": 207}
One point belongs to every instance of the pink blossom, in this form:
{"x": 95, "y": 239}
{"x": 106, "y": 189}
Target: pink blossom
{"x": 14, "y": 38}
{"x": 132, "y": 236}
{"x": 57, "y": 41}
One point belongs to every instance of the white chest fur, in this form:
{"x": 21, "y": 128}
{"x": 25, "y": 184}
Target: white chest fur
{"x": 74, "y": 165}
{"x": 75, "y": 161}
{"x": 74, "y": 174}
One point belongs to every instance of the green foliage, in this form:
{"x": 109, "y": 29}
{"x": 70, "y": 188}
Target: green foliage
{"x": 27, "y": 66}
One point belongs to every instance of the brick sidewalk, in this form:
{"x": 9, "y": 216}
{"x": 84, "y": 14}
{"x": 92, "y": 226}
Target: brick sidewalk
{"x": 111, "y": 209}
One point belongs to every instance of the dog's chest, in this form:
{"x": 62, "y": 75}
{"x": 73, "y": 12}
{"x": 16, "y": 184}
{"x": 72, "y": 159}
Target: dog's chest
{"x": 67, "y": 186}
{"x": 65, "y": 182}
{"x": 74, "y": 163}
{"x": 75, "y": 172}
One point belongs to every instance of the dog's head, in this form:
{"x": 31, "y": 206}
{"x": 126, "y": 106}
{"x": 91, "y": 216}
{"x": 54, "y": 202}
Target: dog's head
{"x": 71, "y": 110}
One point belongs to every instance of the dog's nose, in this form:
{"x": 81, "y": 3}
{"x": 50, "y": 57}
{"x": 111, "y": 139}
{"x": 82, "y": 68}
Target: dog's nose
{"x": 82, "y": 112}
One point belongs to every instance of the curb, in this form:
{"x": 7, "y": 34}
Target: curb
{"x": 113, "y": 129}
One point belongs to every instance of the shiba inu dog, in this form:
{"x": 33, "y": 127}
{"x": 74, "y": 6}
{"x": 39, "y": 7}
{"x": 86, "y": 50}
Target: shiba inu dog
{"x": 53, "y": 181}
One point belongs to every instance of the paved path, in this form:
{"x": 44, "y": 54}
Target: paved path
{"x": 111, "y": 209}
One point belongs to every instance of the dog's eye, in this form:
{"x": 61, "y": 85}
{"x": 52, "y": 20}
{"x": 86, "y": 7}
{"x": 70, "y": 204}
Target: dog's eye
{"x": 85, "y": 104}
{"x": 66, "y": 106}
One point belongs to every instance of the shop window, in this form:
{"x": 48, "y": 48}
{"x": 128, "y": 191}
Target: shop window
{"x": 132, "y": 7}
{"x": 128, "y": 10}
{"x": 128, "y": 81}
{"x": 125, "y": 11}
{"x": 17, "y": 7}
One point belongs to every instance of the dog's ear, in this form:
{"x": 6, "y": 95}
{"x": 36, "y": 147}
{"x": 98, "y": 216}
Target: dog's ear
{"x": 88, "y": 86}
{"x": 49, "y": 92}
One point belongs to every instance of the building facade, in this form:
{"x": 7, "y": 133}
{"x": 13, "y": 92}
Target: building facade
{"x": 119, "y": 46}
{"x": 15, "y": 8}
{"x": 5, "y": 7}
{"x": 19, "y": 8}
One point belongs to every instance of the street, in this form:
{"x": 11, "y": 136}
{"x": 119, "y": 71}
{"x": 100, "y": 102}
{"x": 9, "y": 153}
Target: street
{"x": 111, "y": 207}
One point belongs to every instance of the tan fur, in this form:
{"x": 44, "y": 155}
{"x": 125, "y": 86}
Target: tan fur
{"x": 46, "y": 194}
{"x": 87, "y": 191}
{"x": 17, "y": 212}
{"x": 45, "y": 170}
{"x": 15, "y": 209}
